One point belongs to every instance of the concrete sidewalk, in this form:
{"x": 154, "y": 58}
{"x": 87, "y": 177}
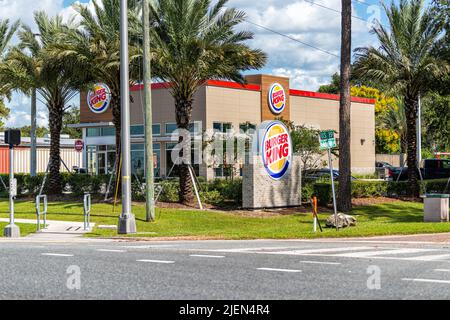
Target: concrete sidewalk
{"x": 56, "y": 230}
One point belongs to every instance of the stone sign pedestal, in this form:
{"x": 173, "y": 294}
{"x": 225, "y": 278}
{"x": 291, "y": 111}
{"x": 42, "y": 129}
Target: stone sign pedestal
{"x": 259, "y": 190}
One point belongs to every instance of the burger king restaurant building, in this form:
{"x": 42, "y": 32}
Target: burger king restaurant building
{"x": 219, "y": 106}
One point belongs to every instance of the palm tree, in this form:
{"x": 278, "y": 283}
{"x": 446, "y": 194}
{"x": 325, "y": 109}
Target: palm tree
{"x": 408, "y": 62}
{"x": 30, "y": 66}
{"x": 395, "y": 119}
{"x": 93, "y": 48}
{"x": 345, "y": 165}
{"x": 6, "y": 33}
{"x": 193, "y": 41}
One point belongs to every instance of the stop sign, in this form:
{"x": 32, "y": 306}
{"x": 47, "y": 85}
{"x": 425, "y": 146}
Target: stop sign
{"x": 79, "y": 144}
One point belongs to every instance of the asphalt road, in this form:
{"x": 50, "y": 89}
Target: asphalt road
{"x": 201, "y": 270}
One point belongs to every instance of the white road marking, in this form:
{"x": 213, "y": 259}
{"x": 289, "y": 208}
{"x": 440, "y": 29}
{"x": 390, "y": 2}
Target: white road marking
{"x": 321, "y": 262}
{"x": 205, "y": 256}
{"x": 155, "y": 261}
{"x": 245, "y": 250}
{"x": 110, "y": 250}
{"x": 433, "y": 257}
{"x": 324, "y": 251}
{"x": 57, "y": 254}
{"x": 442, "y": 270}
{"x": 427, "y": 280}
{"x": 379, "y": 253}
{"x": 279, "y": 270}
{"x": 147, "y": 246}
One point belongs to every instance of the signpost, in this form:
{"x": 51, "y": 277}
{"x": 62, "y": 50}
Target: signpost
{"x": 12, "y": 138}
{"x": 328, "y": 142}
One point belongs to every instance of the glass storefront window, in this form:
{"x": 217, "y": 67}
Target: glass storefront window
{"x": 101, "y": 132}
{"x": 101, "y": 159}
{"x": 222, "y": 127}
{"x": 138, "y": 159}
{"x": 171, "y": 127}
{"x": 139, "y": 130}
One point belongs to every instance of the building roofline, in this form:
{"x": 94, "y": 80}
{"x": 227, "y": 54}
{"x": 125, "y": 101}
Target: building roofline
{"x": 328, "y": 96}
{"x": 255, "y": 87}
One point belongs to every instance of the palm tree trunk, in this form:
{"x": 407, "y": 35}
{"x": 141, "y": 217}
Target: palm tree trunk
{"x": 345, "y": 186}
{"x": 55, "y": 124}
{"x": 183, "y": 113}
{"x": 411, "y": 109}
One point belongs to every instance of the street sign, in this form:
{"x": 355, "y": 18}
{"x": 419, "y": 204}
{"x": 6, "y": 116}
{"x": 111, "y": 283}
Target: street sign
{"x": 328, "y": 142}
{"x": 327, "y": 139}
{"x": 13, "y": 187}
{"x": 79, "y": 145}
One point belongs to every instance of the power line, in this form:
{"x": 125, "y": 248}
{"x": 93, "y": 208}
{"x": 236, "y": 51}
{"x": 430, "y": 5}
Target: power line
{"x": 337, "y": 11}
{"x": 292, "y": 38}
{"x": 365, "y": 3}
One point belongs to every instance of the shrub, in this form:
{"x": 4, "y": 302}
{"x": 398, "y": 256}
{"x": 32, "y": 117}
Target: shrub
{"x": 230, "y": 190}
{"x": 170, "y": 191}
{"x": 212, "y": 197}
{"x": 323, "y": 193}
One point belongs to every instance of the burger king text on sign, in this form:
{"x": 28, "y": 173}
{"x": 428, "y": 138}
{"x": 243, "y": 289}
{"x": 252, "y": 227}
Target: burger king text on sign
{"x": 276, "y": 150}
{"x": 277, "y": 98}
{"x": 99, "y": 99}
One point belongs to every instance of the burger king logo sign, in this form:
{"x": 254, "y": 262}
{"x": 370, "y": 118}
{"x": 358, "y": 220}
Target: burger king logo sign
{"x": 277, "y": 98}
{"x": 99, "y": 99}
{"x": 276, "y": 150}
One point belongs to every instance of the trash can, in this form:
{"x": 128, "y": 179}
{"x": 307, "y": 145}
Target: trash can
{"x": 436, "y": 207}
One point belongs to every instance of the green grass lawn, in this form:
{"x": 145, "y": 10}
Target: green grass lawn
{"x": 381, "y": 219}
{"x": 25, "y": 229}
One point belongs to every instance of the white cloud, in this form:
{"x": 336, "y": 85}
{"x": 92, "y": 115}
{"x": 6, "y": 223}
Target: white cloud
{"x": 24, "y": 9}
{"x": 307, "y": 68}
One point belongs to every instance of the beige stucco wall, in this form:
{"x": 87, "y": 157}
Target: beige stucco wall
{"x": 163, "y": 107}
{"x": 234, "y": 106}
{"x": 324, "y": 114}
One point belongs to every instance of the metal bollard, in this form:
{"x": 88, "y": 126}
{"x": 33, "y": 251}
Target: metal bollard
{"x": 87, "y": 211}
{"x": 43, "y": 212}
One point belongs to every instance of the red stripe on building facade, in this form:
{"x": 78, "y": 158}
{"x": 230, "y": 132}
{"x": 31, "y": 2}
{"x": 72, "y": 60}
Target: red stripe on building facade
{"x": 327, "y": 96}
{"x": 255, "y": 87}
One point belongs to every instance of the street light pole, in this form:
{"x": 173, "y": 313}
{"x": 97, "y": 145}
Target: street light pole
{"x": 127, "y": 222}
{"x": 149, "y": 176}
{"x": 33, "y": 156}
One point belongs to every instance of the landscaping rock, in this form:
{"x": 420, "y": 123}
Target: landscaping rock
{"x": 343, "y": 221}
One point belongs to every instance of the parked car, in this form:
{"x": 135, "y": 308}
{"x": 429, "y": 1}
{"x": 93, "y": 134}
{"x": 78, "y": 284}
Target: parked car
{"x": 384, "y": 170}
{"x": 431, "y": 169}
{"x": 382, "y": 164}
{"x": 315, "y": 174}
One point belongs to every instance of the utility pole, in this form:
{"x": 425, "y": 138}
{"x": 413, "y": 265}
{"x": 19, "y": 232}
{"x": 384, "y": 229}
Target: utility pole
{"x": 345, "y": 183}
{"x": 33, "y": 134}
{"x": 149, "y": 176}
{"x": 127, "y": 221}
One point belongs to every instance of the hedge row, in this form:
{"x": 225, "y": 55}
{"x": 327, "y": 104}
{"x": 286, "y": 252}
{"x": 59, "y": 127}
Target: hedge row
{"x": 77, "y": 184}
{"x": 366, "y": 189}
{"x": 214, "y": 192}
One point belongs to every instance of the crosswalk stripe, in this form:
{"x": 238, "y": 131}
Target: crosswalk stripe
{"x": 250, "y": 250}
{"x": 379, "y": 253}
{"x": 325, "y": 251}
{"x": 432, "y": 257}
{"x": 427, "y": 280}
{"x": 279, "y": 270}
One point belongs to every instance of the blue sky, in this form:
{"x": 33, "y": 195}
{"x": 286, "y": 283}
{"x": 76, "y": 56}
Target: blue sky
{"x": 311, "y": 23}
